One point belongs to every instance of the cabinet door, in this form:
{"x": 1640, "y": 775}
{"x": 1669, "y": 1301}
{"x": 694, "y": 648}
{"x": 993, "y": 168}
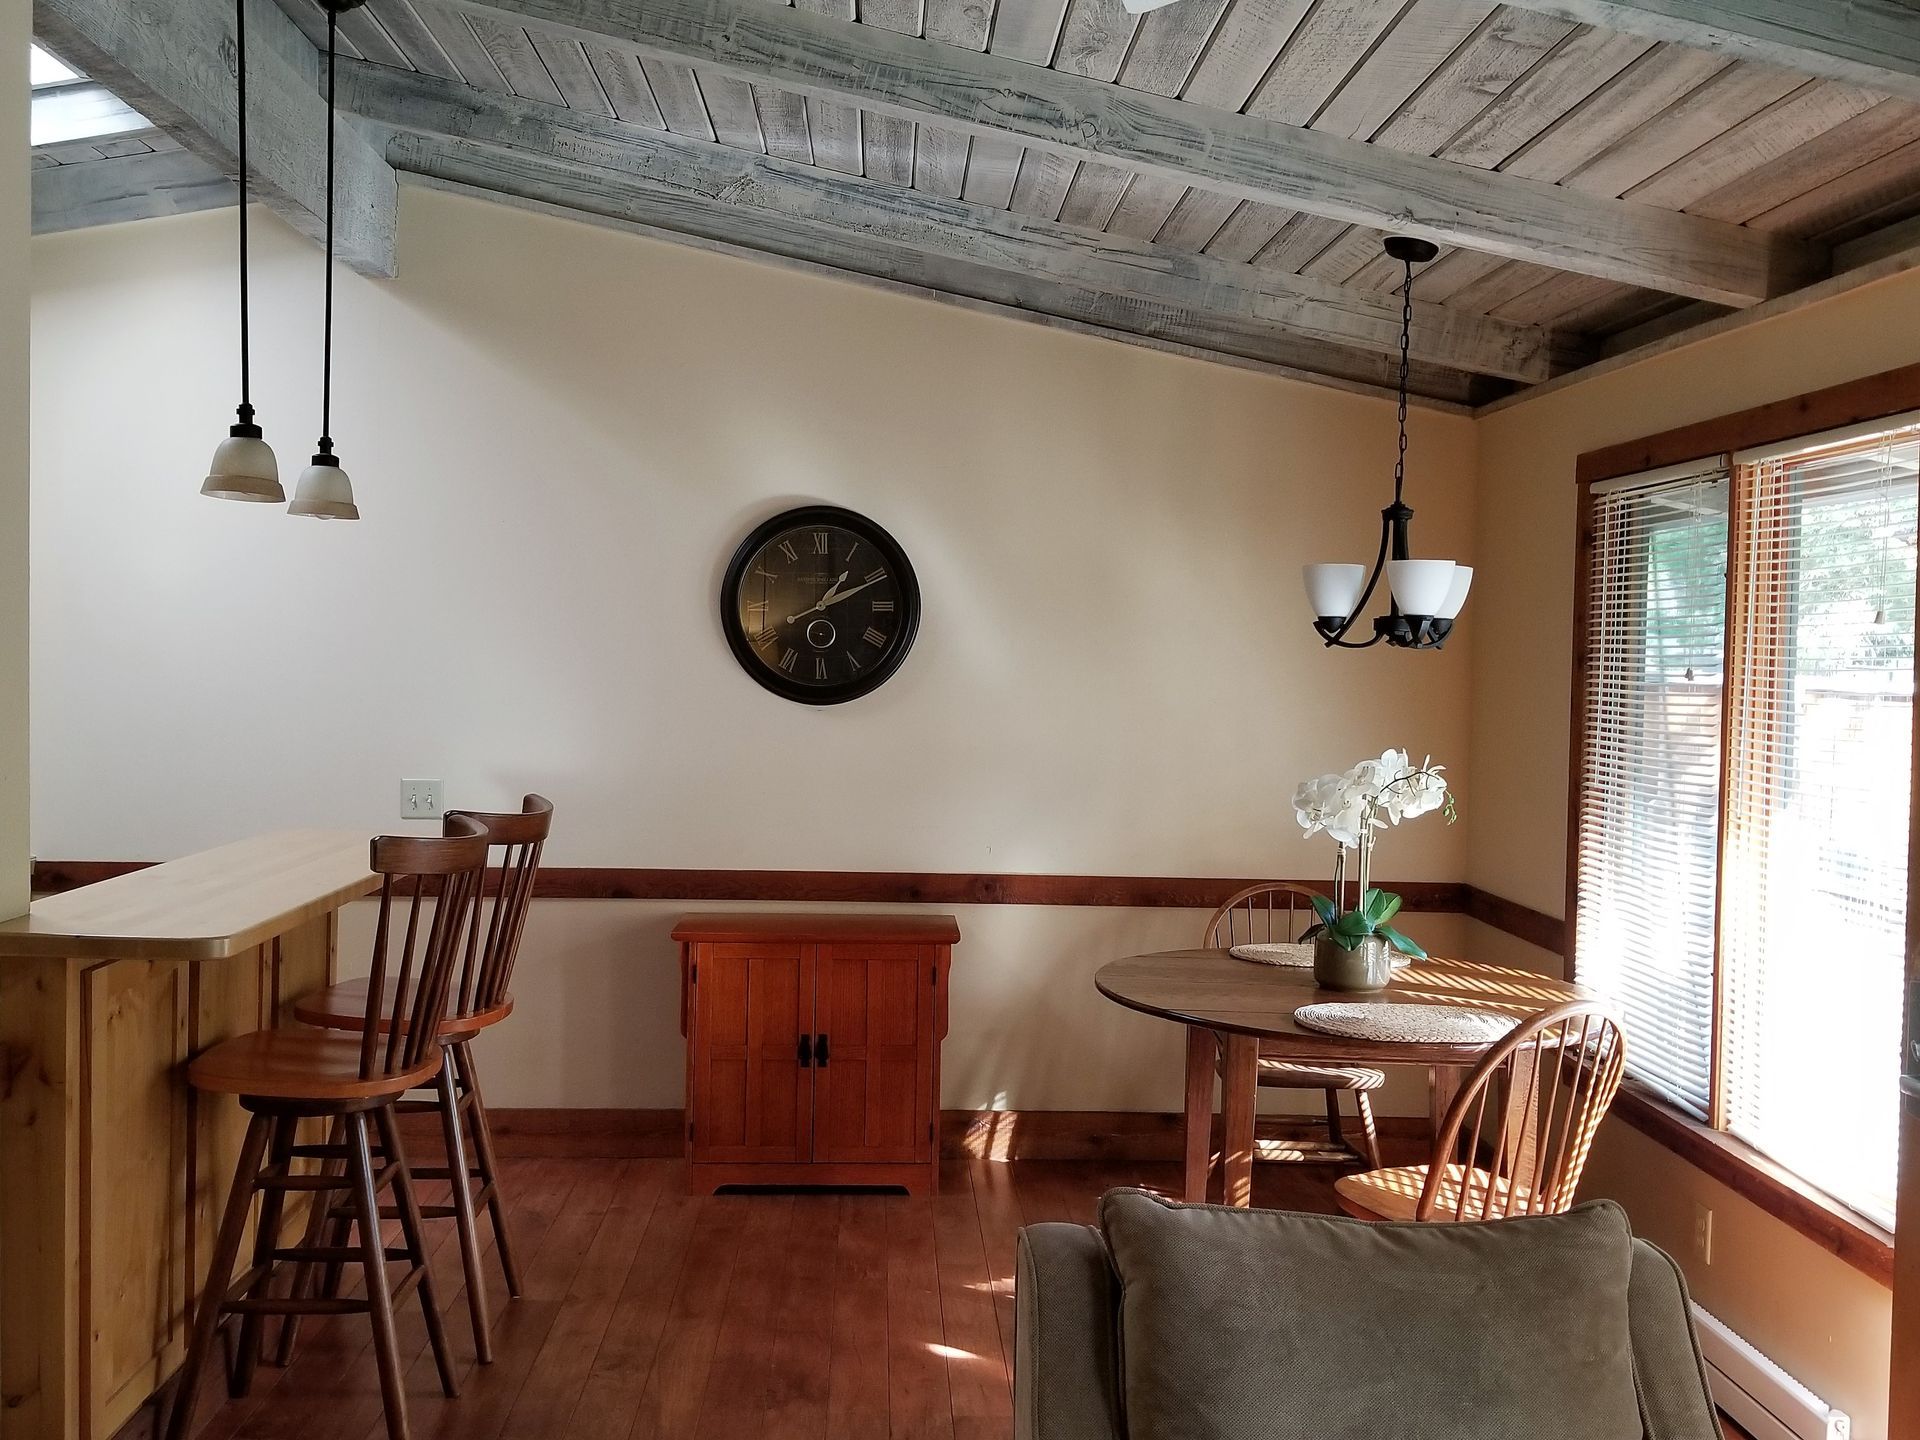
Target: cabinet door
{"x": 873, "y": 1099}
{"x": 748, "y": 1097}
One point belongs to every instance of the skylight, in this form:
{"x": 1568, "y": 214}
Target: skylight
{"x": 45, "y": 70}
{"x": 68, "y": 107}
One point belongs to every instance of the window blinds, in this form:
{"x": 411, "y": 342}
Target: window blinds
{"x": 1813, "y": 888}
{"x": 1649, "y": 787}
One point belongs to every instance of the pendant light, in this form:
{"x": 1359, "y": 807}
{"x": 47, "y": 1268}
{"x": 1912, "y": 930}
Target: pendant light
{"x": 1426, "y": 594}
{"x": 324, "y": 491}
{"x": 243, "y": 466}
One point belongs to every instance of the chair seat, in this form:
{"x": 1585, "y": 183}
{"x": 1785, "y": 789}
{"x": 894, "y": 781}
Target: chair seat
{"x": 1319, "y": 1077}
{"x": 1296, "y": 1076}
{"x": 1394, "y": 1194}
{"x": 297, "y": 1062}
{"x": 344, "y": 1007}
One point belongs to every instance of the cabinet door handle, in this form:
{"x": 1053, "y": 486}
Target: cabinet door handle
{"x": 805, "y": 1051}
{"x": 820, "y": 1051}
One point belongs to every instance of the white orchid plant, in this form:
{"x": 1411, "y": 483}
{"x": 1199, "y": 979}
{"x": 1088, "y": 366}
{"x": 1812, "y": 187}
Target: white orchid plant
{"x": 1352, "y": 809}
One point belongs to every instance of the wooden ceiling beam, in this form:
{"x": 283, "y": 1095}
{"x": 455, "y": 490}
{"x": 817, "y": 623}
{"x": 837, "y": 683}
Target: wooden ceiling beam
{"x": 957, "y": 229}
{"x": 175, "y": 64}
{"x": 597, "y": 195}
{"x": 1870, "y": 43}
{"x": 126, "y": 187}
{"x": 1244, "y": 156}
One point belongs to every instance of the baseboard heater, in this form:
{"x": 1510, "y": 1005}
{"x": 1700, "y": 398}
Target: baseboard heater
{"x": 1760, "y": 1397}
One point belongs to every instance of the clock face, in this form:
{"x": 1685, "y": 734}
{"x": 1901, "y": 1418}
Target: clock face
{"x": 820, "y": 605}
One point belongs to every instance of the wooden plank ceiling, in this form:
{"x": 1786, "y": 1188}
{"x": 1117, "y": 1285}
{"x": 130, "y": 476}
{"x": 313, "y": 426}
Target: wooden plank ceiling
{"x": 575, "y": 103}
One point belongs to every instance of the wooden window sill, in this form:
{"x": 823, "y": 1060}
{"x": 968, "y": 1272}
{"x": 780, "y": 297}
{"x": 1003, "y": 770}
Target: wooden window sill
{"x": 1751, "y": 1175}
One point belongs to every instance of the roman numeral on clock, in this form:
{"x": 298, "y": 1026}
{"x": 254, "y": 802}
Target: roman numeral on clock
{"x": 788, "y": 660}
{"x": 874, "y": 637}
{"x": 881, "y": 607}
{"x": 786, "y": 549}
{"x": 820, "y": 542}
{"x": 875, "y": 576}
{"x": 819, "y": 667}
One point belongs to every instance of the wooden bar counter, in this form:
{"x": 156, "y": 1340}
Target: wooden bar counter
{"x": 112, "y": 1172}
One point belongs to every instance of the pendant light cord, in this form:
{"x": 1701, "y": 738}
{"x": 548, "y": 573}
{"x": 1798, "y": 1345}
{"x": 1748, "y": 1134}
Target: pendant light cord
{"x": 1406, "y": 331}
{"x": 240, "y": 42}
{"x": 326, "y": 350}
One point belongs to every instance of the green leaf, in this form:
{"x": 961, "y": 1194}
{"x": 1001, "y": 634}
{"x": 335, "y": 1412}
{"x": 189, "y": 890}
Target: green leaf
{"x": 1323, "y": 907}
{"x": 1382, "y": 906}
{"x": 1401, "y": 943}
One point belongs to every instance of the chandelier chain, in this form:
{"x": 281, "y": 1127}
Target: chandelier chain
{"x": 1406, "y": 331}
{"x": 326, "y": 351}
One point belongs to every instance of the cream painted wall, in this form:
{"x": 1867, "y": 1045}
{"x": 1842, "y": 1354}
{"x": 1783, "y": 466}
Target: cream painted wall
{"x": 1819, "y": 1318}
{"x": 15, "y": 226}
{"x": 596, "y": 1017}
{"x": 557, "y": 434}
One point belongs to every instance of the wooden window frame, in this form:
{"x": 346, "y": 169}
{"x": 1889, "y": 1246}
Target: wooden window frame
{"x": 1733, "y": 1162}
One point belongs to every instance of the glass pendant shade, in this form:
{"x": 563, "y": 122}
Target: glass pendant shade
{"x": 1456, "y": 592}
{"x": 244, "y": 469}
{"x": 1333, "y": 590}
{"x": 324, "y": 492}
{"x": 1420, "y": 587}
{"x": 1140, "y": 7}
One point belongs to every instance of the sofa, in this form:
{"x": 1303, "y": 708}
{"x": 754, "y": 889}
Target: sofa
{"x": 1210, "y": 1324}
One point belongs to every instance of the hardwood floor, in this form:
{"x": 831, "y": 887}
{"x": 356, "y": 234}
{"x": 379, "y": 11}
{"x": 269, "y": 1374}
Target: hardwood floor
{"x": 650, "y": 1314}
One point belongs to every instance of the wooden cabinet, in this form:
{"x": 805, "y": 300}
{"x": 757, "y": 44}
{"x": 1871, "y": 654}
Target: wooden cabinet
{"x": 813, "y": 1047}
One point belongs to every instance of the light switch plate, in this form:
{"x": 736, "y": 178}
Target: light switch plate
{"x": 419, "y": 799}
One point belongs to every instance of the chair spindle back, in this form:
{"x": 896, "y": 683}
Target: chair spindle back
{"x": 1548, "y": 1085}
{"x": 436, "y": 882}
{"x": 518, "y": 837}
{"x": 1274, "y": 913}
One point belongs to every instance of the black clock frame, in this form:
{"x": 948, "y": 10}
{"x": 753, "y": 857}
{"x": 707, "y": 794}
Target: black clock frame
{"x": 872, "y": 534}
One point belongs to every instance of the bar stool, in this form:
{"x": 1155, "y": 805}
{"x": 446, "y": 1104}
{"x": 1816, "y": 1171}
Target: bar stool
{"x": 478, "y": 1001}
{"x": 282, "y": 1076}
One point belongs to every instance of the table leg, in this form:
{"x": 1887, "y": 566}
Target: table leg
{"x": 1443, "y": 1083}
{"x": 1201, "y": 1053}
{"x": 1238, "y": 1088}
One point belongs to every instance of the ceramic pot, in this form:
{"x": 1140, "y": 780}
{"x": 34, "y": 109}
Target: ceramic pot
{"x": 1369, "y": 966}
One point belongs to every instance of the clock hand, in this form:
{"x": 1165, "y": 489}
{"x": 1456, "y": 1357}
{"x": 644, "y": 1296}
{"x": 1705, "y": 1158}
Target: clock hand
{"x": 831, "y": 599}
{"x": 826, "y": 599}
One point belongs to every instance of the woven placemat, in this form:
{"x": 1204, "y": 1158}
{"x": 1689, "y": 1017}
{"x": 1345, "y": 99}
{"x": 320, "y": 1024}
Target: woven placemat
{"x": 1409, "y": 1024}
{"x": 1296, "y": 953}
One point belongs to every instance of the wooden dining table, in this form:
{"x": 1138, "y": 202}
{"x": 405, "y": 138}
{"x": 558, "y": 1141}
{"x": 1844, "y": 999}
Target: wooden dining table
{"x": 1237, "y": 1011}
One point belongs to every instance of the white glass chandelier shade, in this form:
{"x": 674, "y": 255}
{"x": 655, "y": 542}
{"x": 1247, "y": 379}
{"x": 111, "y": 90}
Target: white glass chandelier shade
{"x": 1141, "y": 7}
{"x": 324, "y": 492}
{"x": 1333, "y": 590}
{"x": 1420, "y": 587}
{"x": 1456, "y": 592}
{"x": 244, "y": 469}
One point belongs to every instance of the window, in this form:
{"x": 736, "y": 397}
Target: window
{"x": 68, "y": 107}
{"x": 1746, "y": 737}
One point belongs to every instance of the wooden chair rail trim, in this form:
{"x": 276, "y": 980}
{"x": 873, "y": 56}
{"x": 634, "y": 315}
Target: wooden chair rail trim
{"x": 869, "y": 887}
{"x": 1873, "y": 397}
{"x": 1756, "y": 1178}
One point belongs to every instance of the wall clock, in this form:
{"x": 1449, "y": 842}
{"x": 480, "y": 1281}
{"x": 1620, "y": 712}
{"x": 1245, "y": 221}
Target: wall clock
{"x": 820, "y": 605}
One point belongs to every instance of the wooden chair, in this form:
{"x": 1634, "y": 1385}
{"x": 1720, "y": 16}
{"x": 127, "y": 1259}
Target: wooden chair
{"x": 1549, "y": 1084}
{"x": 1277, "y": 913}
{"x": 353, "y": 1076}
{"x": 479, "y": 1000}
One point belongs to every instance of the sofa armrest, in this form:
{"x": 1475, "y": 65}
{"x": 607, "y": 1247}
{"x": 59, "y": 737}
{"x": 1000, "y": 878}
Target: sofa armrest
{"x": 1675, "y": 1403}
{"x": 1065, "y": 1371}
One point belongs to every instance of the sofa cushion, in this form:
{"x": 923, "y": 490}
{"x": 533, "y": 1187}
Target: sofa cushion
{"x": 1268, "y": 1325}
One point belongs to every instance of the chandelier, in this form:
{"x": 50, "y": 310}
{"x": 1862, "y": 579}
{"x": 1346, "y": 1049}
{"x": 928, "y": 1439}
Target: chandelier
{"x": 1426, "y": 594}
